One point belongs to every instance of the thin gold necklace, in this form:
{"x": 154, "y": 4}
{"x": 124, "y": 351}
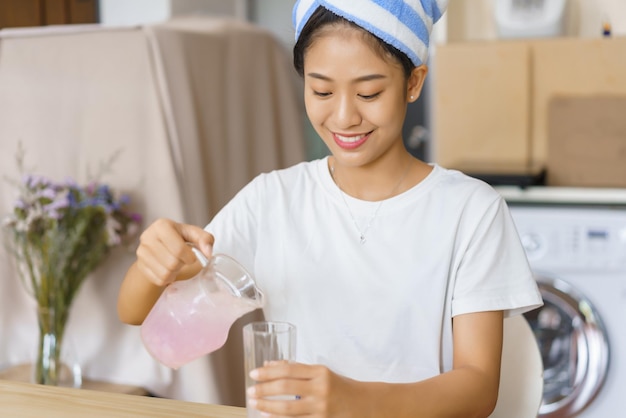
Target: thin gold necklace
{"x": 362, "y": 232}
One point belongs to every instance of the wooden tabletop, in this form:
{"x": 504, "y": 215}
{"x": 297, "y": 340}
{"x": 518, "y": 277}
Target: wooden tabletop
{"x": 22, "y": 373}
{"x": 27, "y": 400}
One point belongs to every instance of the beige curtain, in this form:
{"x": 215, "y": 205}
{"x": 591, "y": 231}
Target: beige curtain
{"x": 195, "y": 107}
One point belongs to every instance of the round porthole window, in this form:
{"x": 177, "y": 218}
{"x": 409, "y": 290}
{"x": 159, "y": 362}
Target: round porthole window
{"x": 574, "y": 348}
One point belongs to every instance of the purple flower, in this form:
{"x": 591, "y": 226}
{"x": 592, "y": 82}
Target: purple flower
{"x": 44, "y": 204}
{"x": 124, "y": 199}
{"x": 71, "y": 198}
{"x": 91, "y": 188}
{"x": 103, "y": 190}
{"x": 70, "y": 183}
{"x": 20, "y": 204}
{"x": 48, "y": 193}
{"x": 34, "y": 181}
{"x": 52, "y": 208}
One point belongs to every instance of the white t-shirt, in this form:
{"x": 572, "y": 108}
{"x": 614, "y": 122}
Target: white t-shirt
{"x": 382, "y": 310}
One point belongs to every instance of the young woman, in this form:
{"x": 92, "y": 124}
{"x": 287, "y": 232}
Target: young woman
{"x": 397, "y": 273}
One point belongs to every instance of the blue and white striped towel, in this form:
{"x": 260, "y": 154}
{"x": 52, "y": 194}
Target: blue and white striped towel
{"x": 405, "y": 24}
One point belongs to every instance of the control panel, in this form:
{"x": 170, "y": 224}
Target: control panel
{"x": 563, "y": 238}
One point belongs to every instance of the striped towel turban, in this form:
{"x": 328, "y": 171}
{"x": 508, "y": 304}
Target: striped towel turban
{"x": 404, "y": 24}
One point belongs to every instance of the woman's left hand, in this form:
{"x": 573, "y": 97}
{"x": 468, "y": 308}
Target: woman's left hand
{"x": 313, "y": 391}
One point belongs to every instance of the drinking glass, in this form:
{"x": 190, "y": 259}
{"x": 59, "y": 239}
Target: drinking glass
{"x": 266, "y": 341}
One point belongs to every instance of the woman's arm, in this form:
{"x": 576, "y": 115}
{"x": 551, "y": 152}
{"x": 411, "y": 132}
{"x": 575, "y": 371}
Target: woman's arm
{"x": 163, "y": 256}
{"x": 469, "y": 390}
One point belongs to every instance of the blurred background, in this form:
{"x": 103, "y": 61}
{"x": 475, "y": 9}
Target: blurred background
{"x": 199, "y": 96}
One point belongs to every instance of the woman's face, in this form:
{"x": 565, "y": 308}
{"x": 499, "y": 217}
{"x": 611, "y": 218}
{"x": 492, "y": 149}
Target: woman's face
{"x": 355, "y": 99}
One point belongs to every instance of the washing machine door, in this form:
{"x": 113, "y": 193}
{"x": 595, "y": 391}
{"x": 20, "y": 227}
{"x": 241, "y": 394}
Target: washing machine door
{"x": 574, "y": 347}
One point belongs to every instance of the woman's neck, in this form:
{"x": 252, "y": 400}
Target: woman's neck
{"x": 380, "y": 180}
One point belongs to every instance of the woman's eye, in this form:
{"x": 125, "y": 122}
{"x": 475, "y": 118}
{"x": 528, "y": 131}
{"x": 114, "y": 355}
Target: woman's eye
{"x": 321, "y": 93}
{"x": 369, "y": 96}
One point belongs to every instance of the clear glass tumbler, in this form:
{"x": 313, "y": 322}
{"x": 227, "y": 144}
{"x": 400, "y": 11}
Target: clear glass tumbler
{"x": 265, "y": 341}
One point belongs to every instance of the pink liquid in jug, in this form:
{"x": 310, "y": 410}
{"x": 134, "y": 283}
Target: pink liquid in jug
{"x": 188, "y": 322}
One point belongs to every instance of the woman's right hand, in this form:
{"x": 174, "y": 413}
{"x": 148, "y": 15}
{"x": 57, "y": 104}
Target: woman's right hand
{"x": 163, "y": 254}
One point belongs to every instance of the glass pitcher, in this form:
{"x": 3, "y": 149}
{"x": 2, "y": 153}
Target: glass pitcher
{"x": 192, "y": 317}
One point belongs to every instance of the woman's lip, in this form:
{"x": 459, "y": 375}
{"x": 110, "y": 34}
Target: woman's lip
{"x": 355, "y": 142}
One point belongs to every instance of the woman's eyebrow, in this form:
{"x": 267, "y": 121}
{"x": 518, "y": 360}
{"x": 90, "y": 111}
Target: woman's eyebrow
{"x": 368, "y": 77}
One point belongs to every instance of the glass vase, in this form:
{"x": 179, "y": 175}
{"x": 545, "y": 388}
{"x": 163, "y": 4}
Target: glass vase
{"x": 55, "y": 362}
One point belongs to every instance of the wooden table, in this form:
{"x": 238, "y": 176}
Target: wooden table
{"x": 22, "y": 373}
{"x": 27, "y": 400}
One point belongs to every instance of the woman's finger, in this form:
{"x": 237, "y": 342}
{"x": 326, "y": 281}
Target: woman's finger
{"x": 284, "y": 369}
{"x": 198, "y": 237}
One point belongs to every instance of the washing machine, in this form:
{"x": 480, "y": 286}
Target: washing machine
{"x": 575, "y": 241}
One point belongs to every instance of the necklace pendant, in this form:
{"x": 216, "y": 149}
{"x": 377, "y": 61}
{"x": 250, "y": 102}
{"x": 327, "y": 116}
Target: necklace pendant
{"x": 362, "y": 239}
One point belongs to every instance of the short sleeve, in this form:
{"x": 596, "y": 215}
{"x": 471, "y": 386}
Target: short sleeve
{"x": 494, "y": 273}
{"x": 235, "y": 226}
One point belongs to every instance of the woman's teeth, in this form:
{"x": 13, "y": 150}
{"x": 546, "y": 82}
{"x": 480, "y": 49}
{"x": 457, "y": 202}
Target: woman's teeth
{"x": 350, "y": 138}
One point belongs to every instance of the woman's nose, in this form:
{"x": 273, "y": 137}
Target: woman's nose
{"x": 347, "y": 113}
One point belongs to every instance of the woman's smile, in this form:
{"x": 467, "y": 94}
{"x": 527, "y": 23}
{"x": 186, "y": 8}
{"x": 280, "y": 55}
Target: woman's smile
{"x": 350, "y": 141}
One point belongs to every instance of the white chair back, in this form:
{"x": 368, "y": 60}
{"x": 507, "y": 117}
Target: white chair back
{"x": 521, "y": 375}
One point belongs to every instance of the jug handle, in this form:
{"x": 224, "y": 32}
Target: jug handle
{"x": 199, "y": 255}
{"x": 204, "y": 262}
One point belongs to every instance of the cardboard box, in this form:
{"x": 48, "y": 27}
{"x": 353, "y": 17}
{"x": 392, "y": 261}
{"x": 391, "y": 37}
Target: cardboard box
{"x": 481, "y": 103}
{"x": 491, "y": 101}
{"x": 587, "y": 141}
{"x": 572, "y": 67}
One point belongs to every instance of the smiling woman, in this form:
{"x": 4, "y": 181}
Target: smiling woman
{"x": 356, "y": 97}
{"x": 396, "y": 273}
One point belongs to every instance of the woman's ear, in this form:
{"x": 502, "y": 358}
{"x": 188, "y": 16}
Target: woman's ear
{"x": 416, "y": 82}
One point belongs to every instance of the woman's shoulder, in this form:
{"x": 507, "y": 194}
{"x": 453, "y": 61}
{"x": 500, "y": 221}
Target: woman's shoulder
{"x": 453, "y": 182}
{"x": 303, "y": 172}
{"x": 285, "y": 182}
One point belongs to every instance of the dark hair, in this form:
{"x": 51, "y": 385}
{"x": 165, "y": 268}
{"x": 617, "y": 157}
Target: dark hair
{"x": 322, "y": 17}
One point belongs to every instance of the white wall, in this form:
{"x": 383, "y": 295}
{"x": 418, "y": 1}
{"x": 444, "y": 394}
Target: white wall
{"x": 470, "y": 20}
{"x": 275, "y": 15}
{"x": 136, "y": 12}
{"x": 133, "y": 12}
{"x": 237, "y": 8}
